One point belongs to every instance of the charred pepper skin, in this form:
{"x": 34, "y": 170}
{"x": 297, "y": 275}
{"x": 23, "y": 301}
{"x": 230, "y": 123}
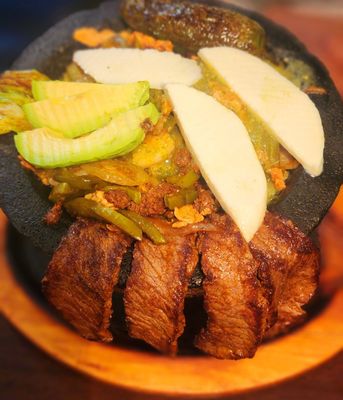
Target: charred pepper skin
{"x": 191, "y": 26}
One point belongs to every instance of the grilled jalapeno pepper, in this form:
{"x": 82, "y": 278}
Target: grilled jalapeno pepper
{"x": 193, "y": 26}
{"x": 147, "y": 227}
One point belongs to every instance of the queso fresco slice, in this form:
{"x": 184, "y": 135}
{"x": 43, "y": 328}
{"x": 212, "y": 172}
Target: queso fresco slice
{"x": 41, "y": 147}
{"x": 290, "y": 114}
{"x": 221, "y": 145}
{"x": 131, "y": 65}
{"x": 87, "y": 111}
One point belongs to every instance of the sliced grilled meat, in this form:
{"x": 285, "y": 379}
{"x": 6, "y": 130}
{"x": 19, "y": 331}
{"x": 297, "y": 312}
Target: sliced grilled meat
{"x": 156, "y": 290}
{"x": 289, "y": 268}
{"x": 247, "y": 288}
{"x": 82, "y": 274}
{"x": 233, "y": 296}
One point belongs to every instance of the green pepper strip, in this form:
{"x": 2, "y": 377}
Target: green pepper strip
{"x": 86, "y": 182}
{"x": 184, "y": 181}
{"x": 163, "y": 170}
{"x": 119, "y": 220}
{"x": 90, "y": 209}
{"x": 185, "y": 196}
{"x": 81, "y": 207}
{"x": 62, "y": 192}
{"x": 147, "y": 227}
{"x": 134, "y": 194}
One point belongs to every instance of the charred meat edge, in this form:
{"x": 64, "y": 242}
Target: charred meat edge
{"x": 156, "y": 289}
{"x": 289, "y": 271}
{"x": 82, "y": 274}
{"x": 233, "y": 296}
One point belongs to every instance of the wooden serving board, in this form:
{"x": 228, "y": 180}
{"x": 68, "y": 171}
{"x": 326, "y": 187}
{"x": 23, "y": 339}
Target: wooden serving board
{"x": 318, "y": 340}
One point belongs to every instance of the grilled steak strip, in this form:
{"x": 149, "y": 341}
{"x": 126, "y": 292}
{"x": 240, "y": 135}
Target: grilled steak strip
{"x": 82, "y": 274}
{"x": 289, "y": 268}
{"x": 233, "y": 296}
{"x": 156, "y": 290}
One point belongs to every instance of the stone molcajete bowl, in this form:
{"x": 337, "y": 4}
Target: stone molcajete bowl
{"x": 25, "y": 201}
{"x": 305, "y": 201}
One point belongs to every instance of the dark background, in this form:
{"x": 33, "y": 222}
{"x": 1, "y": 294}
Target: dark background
{"x": 22, "y": 21}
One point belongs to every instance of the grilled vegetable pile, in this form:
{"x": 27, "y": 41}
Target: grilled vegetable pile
{"x": 15, "y": 91}
{"x": 115, "y": 152}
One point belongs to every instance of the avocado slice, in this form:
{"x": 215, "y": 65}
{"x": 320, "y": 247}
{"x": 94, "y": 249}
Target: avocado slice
{"x": 87, "y": 111}
{"x": 43, "y": 148}
{"x": 47, "y": 90}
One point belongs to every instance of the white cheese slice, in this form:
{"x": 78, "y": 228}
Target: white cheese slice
{"x": 288, "y": 112}
{"x": 133, "y": 65}
{"x": 221, "y": 146}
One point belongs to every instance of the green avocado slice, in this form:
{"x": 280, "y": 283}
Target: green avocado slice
{"x": 44, "y": 148}
{"x": 47, "y": 90}
{"x": 78, "y": 114}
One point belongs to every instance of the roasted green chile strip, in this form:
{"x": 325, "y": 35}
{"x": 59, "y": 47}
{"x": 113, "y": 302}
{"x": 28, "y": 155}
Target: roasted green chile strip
{"x": 134, "y": 194}
{"x": 129, "y": 221}
{"x": 83, "y": 182}
{"x": 193, "y": 26}
{"x": 163, "y": 170}
{"x": 184, "y": 181}
{"x": 90, "y": 209}
{"x": 185, "y": 196}
{"x": 81, "y": 207}
{"x": 114, "y": 217}
{"x": 62, "y": 192}
{"x": 147, "y": 227}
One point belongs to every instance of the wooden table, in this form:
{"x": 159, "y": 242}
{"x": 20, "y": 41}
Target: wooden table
{"x": 26, "y": 373}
